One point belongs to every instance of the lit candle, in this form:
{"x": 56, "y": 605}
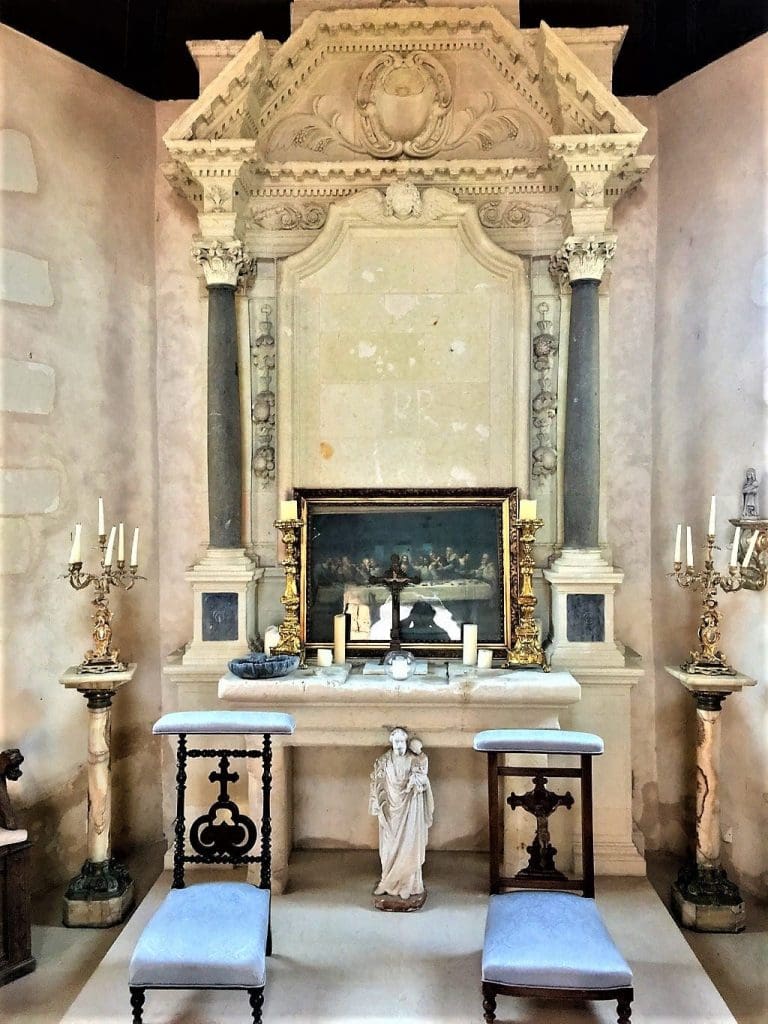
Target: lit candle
{"x": 679, "y": 543}
{"x": 750, "y": 549}
{"x": 135, "y": 547}
{"x": 339, "y": 639}
{"x": 102, "y": 531}
{"x": 527, "y": 508}
{"x": 121, "y": 543}
{"x": 469, "y": 647}
{"x": 324, "y": 657}
{"x": 75, "y": 555}
{"x": 689, "y": 547}
{"x": 110, "y": 545}
{"x": 484, "y": 658}
{"x": 735, "y": 548}
{"x": 711, "y": 530}
{"x": 289, "y": 510}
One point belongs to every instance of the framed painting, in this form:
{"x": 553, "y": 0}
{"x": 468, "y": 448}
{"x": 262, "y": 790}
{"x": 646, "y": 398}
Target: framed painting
{"x": 459, "y": 547}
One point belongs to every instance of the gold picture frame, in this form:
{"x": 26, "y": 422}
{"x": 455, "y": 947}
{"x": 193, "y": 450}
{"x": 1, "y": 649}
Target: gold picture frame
{"x": 463, "y": 545}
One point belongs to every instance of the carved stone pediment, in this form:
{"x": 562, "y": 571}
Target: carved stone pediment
{"x": 460, "y": 98}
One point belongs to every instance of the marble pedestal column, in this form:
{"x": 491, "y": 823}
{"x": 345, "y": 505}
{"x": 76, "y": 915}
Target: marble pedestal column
{"x": 703, "y": 897}
{"x": 102, "y": 893}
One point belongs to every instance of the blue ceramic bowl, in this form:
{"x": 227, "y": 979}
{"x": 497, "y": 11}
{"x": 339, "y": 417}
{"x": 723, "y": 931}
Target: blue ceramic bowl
{"x": 264, "y": 666}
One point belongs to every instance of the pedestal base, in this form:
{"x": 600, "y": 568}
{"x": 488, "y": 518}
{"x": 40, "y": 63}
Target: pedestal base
{"x": 707, "y": 901}
{"x": 398, "y": 904}
{"x": 100, "y": 896}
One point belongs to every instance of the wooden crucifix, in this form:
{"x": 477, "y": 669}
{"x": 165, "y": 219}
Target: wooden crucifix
{"x": 395, "y": 579}
{"x": 540, "y": 802}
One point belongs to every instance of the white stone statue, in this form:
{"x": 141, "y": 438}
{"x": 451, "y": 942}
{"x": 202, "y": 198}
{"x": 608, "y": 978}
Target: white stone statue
{"x": 401, "y": 798}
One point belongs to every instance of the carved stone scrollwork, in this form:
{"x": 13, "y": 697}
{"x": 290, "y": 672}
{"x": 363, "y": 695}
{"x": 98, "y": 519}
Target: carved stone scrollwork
{"x": 222, "y": 262}
{"x": 583, "y": 259}
{"x": 403, "y": 105}
{"x": 263, "y": 409}
{"x": 500, "y": 213}
{"x": 544, "y": 403}
{"x": 285, "y": 217}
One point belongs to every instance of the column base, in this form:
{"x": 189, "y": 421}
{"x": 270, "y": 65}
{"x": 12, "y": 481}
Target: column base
{"x": 224, "y": 612}
{"x": 100, "y": 896}
{"x": 705, "y": 900}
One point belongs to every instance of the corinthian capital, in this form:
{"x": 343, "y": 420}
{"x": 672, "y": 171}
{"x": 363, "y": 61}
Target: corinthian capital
{"x": 222, "y": 262}
{"x": 581, "y": 259}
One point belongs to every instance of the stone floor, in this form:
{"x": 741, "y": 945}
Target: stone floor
{"x": 338, "y": 960}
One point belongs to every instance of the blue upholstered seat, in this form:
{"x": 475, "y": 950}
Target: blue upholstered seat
{"x": 550, "y": 940}
{"x": 537, "y": 741}
{"x": 210, "y": 935}
{"x": 211, "y": 723}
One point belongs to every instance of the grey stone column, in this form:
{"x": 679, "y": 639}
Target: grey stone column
{"x": 222, "y": 263}
{"x": 583, "y": 262}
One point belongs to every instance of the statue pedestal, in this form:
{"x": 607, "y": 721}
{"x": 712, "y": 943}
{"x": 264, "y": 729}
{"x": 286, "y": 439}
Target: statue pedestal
{"x": 102, "y": 893}
{"x": 703, "y": 897}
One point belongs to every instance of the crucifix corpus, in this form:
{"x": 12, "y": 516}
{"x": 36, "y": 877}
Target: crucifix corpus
{"x": 395, "y": 579}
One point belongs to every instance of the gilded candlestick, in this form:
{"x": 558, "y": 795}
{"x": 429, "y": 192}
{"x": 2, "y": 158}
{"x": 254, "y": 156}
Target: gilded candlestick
{"x": 290, "y": 630}
{"x": 708, "y": 659}
{"x": 101, "y": 657}
{"x": 527, "y": 651}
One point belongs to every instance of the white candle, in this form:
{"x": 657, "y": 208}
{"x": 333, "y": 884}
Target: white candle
{"x": 527, "y": 508}
{"x": 289, "y": 510}
{"x": 469, "y": 647}
{"x": 102, "y": 531}
{"x": 135, "y": 547}
{"x": 324, "y": 657}
{"x": 484, "y": 658}
{"x": 679, "y": 543}
{"x": 110, "y": 545}
{"x": 712, "y": 504}
{"x": 74, "y": 554}
{"x": 689, "y": 547}
{"x": 121, "y": 542}
{"x": 750, "y": 549}
{"x": 339, "y": 639}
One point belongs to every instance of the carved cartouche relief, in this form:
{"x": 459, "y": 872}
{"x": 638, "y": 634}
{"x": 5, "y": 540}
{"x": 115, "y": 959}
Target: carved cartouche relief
{"x": 403, "y": 105}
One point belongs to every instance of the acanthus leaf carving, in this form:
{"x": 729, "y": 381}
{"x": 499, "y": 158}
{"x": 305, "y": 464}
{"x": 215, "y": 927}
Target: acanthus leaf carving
{"x": 490, "y": 125}
{"x": 505, "y": 213}
{"x": 290, "y": 217}
{"x": 223, "y": 262}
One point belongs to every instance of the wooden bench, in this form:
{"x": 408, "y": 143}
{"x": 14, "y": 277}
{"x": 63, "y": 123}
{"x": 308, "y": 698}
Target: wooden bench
{"x": 545, "y": 939}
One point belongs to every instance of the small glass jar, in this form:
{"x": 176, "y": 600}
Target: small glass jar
{"x": 399, "y": 665}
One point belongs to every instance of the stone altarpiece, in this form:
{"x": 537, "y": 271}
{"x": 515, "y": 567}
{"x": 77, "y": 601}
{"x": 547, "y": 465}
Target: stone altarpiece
{"x": 405, "y": 215}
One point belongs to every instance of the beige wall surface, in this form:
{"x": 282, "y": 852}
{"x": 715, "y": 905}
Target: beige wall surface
{"x": 78, "y": 421}
{"x": 710, "y": 423}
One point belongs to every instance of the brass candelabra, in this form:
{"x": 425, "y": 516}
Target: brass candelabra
{"x": 708, "y": 659}
{"x": 527, "y": 650}
{"x": 290, "y": 629}
{"x": 101, "y": 657}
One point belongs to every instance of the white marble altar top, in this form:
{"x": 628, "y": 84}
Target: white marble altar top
{"x": 339, "y": 705}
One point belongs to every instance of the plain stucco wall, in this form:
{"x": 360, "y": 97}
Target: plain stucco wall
{"x": 709, "y": 417}
{"x": 91, "y": 219}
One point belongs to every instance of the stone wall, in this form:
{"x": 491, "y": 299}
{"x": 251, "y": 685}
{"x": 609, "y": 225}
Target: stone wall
{"x": 77, "y": 303}
{"x": 710, "y": 423}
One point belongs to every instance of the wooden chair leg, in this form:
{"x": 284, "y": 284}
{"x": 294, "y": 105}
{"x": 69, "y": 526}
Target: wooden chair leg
{"x": 256, "y": 999}
{"x": 489, "y": 1004}
{"x": 624, "y": 1009}
{"x": 269, "y": 940}
{"x": 137, "y": 1003}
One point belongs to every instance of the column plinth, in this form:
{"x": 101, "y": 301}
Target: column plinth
{"x": 102, "y": 893}
{"x": 703, "y": 897}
